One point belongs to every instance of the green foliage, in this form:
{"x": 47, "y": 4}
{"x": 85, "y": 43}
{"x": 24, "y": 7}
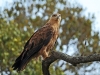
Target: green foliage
{"x": 19, "y": 22}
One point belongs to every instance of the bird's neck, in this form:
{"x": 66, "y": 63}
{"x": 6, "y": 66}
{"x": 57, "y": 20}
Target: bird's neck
{"x": 53, "y": 23}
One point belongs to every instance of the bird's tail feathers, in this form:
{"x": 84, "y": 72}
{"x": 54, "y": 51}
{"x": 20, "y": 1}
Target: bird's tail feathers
{"x": 21, "y": 64}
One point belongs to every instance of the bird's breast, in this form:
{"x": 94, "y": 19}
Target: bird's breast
{"x": 52, "y": 41}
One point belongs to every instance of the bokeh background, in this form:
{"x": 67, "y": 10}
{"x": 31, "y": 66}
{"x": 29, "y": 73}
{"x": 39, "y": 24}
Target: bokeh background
{"x": 79, "y": 33}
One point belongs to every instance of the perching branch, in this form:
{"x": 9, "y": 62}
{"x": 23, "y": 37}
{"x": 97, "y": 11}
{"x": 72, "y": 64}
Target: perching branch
{"x": 72, "y": 60}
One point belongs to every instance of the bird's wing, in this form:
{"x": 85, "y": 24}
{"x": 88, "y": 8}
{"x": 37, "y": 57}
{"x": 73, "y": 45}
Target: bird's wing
{"x": 39, "y": 39}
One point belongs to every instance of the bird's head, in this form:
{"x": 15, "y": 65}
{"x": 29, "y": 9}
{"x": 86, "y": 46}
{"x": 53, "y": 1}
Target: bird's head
{"x": 56, "y": 17}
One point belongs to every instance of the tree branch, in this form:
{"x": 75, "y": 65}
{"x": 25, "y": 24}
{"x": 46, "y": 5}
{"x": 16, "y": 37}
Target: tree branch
{"x": 72, "y": 60}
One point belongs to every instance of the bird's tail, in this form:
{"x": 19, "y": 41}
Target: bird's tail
{"x": 25, "y": 57}
{"x": 20, "y": 64}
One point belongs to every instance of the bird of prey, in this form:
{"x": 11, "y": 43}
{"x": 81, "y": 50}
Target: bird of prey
{"x": 40, "y": 43}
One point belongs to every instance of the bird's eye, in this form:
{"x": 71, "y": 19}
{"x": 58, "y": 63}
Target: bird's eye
{"x": 54, "y": 15}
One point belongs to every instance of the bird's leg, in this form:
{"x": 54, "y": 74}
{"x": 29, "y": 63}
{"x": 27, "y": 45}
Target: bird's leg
{"x": 45, "y": 54}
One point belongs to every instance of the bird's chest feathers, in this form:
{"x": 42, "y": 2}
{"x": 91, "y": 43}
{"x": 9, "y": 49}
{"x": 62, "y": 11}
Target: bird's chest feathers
{"x": 56, "y": 31}
{"x": 54, "y": 37}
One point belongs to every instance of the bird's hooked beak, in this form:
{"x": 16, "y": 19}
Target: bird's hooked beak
{"x": 59, "y": 16}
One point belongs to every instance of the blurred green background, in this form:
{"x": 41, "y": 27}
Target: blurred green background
{"x": 22, "y": 18}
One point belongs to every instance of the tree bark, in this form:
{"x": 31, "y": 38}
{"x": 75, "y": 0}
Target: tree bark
{"x": 70, "y": 59}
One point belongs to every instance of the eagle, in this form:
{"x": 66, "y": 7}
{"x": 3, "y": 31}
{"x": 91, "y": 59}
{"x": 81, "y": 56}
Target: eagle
{"x": 40, "y": 43}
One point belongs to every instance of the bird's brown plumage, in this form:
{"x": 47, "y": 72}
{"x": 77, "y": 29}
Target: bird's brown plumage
{"x": 40, "y": 43}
